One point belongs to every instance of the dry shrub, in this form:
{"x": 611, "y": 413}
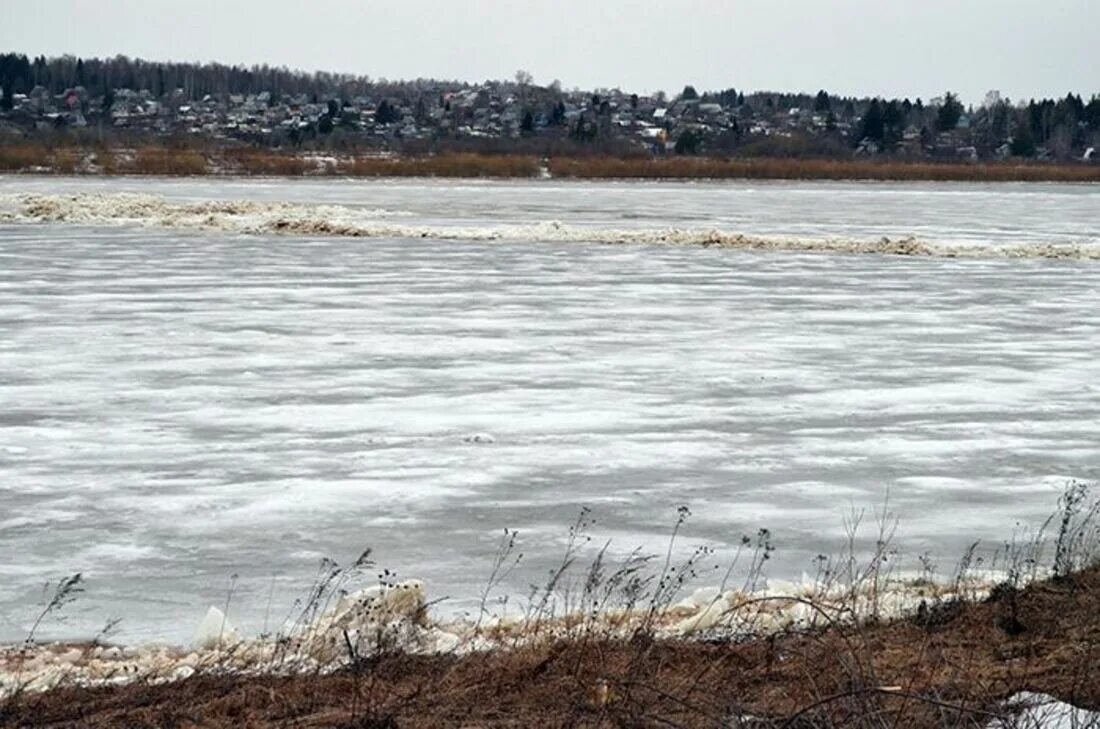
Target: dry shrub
{"x": 20, "y": 157}
{"x": 817, "y": 169}
{"x": 108, "y": 161}
{"x": 245, "y": 161}
{"x": 447, "y": 165}
{"x": 173, "y": 159}
{"x": 163, "y": 161}
{"x": 66, "y": 160}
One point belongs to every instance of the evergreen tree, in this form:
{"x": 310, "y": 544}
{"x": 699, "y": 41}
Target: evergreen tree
{"x": 999, "y": 121}
{"x": 688, "y": 142}
{"x": 386, "y": 113}
{"x": 872, "y": 125}
{"x": 1092, "y": 113}
{"x": 893, "y": 122}
{"x": 1023, "y": 143}
{"x": 558, "y": 115}
{"x": 15, "y": 77}
{"x": 947, "y": 118}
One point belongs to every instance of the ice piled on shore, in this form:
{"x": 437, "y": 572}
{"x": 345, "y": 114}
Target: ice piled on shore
{"x": 214, "y": 631}
{"x": 266, "y": 218}
{"x": 392, "y": 616}
{"x": 395, "y": 616}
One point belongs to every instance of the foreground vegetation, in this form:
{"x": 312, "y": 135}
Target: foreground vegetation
{"x": 947, "y": 668}
{"x": 209, "y": 160}
{"x": 592, "y": 648}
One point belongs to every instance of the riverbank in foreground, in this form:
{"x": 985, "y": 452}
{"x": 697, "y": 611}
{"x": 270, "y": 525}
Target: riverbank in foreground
{"x": 202, "y": 161}
{"x": 952, "y": 664}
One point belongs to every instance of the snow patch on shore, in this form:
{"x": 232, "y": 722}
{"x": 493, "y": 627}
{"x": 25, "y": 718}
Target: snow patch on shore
{"x": 1040, "y": 711}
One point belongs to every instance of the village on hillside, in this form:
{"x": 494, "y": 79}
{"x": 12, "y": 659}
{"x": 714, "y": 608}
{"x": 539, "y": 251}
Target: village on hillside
{"x": 331, "y": 112}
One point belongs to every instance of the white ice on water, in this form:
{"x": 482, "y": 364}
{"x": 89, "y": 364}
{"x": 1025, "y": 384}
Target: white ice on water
{"x": 179, "y": 404}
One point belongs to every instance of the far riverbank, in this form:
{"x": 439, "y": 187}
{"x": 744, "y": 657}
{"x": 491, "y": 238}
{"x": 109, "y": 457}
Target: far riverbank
{"x": 233, "y": 161}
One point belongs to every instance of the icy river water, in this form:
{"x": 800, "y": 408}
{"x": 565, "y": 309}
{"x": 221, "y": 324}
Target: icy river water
{"x": 181, "y": 404}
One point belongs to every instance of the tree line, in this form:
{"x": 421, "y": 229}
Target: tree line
{"x": 19, "y": 74}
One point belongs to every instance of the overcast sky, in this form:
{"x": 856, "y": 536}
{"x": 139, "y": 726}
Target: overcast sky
{"x": 865, "y": 47}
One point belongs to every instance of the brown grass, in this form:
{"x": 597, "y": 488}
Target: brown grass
{"x": 22, "y": 157}
{"x": 948, "y": 668}
{"x": 817, "y": 169}
{"x": 108, "y": 161}
{"x": 183, "y": 160}
{"x": 159, "y": 161}
{"x": 446, "y": 165}
{"x": 19, "y": 157}
{"x": 247, "y": 161}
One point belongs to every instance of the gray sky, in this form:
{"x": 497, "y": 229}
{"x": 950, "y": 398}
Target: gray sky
{"x": 864, "y": 47}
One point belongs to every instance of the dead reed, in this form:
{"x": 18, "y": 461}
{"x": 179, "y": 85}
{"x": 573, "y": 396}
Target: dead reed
{"x": 445, "y": 165}
{"x": 248, "y": 161}
{"x": 817, "y": 169}
{"x": 39, "y": 158}
{"x": 180, "y": 159}
{"x": 169, "y": 162}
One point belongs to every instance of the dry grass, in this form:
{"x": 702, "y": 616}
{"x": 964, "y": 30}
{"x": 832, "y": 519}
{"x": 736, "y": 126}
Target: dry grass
{"x": 949, "y": 668}
{"x": 160, "y": 161}
{"x": 32, "y": 157}
{"x": 247, "y": 161}
{"x": 20, "y": 157}
{"x": 108, "y": 161}
{"x": 447, "y": 165}
{"x": 797, "y": 169}
{"x": 164, "y": 160}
